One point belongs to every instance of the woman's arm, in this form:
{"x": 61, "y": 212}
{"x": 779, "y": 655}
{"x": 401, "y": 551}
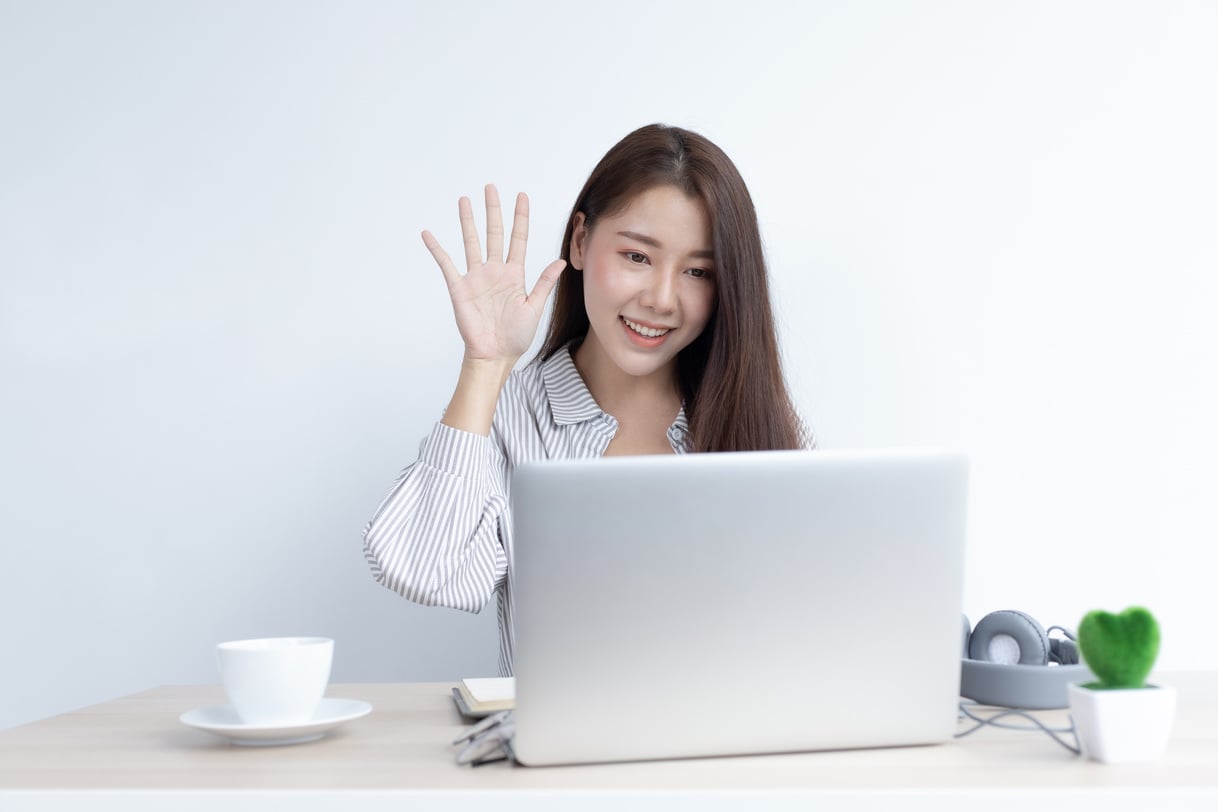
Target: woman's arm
{"x": 496, "y": 316}
{"x": 435, "y": 537}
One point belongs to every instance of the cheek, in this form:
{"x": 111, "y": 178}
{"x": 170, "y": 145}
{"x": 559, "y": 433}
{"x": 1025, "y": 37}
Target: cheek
{"x": 602, "y": 286}
{"x": 595, "y": 294}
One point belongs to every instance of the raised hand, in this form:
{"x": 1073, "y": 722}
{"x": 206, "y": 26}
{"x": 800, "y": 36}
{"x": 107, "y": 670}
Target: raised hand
{"x": 496, "y": 317}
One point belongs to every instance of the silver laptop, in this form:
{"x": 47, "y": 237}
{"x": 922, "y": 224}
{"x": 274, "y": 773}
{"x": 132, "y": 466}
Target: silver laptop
{"x": 736, "y": 603}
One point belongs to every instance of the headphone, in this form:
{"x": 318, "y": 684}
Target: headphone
{"x": 1009, "y": 659}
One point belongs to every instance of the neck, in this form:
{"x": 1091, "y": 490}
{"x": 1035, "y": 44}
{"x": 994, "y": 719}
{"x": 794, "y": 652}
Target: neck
{"x": 619, "y": 393}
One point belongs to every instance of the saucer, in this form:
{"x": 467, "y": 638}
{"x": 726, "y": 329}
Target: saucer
{"x": 223, "y": 721}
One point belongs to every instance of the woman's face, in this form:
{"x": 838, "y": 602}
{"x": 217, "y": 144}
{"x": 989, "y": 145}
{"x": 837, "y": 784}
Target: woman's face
{"x": 649, "y": 280}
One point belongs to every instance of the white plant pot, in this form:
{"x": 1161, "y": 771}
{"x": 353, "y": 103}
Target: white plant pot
{"x": 1123, "y": 724}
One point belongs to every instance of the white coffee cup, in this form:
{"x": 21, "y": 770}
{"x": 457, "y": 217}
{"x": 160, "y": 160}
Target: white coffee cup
{"x": 275, "y": 680}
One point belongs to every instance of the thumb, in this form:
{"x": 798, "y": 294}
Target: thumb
{"x": 547, "y": 281}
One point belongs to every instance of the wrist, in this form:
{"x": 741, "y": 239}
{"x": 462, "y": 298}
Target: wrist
{"x": 487, "y": 371}
{"x": 472, "y": 407}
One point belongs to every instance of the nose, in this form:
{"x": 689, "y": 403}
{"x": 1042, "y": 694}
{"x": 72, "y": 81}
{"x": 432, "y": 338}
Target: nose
{"x": 661, "y": 292}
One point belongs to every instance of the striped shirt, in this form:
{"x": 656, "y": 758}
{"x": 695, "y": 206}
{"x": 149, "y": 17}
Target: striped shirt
{"x": 443, "y": 535}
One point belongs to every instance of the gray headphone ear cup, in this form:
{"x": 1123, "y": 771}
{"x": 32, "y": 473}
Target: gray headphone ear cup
{"x": 1028, "y": 634}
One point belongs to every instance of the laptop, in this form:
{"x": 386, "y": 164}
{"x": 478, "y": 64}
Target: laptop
{"x": 736, "y": 603}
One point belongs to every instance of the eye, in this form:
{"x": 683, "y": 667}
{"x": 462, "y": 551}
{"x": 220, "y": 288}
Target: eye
{"x": 699, "y": 273}
{"x": 635, "y": 257}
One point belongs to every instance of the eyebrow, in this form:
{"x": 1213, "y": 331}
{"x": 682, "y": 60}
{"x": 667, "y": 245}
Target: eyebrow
{"x": 654, "y": 243}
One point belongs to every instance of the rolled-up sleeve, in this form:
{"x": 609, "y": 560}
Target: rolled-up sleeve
{"x": 435, "y": 539}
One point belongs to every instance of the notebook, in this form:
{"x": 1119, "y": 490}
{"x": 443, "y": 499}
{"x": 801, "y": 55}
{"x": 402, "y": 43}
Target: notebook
{"x": 736, "y": 603}
{"x": 477, "y": 697}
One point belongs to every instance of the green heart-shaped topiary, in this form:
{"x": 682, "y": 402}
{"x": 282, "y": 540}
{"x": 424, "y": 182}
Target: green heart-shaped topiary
{"x": 1120, "y": 649}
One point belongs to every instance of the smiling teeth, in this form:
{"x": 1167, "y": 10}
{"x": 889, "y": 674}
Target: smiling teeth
{"x": 644, "y": 331}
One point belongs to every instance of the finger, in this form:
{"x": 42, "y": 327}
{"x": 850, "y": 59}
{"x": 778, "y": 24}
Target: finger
{"x": 494, "y": 225}
{"x": 520, "y": 230}
{"x": 469, "y": 234}
{"x": 451, "y": 274}
{"x": 546, "y": 282}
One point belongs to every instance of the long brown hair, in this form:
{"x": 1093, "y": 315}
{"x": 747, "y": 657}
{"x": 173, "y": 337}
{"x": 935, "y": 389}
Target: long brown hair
{"x": 730, "y": 376}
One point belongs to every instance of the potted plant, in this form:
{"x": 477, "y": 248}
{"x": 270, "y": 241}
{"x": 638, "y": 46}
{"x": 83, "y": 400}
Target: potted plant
{"x": 1120, "y": 718}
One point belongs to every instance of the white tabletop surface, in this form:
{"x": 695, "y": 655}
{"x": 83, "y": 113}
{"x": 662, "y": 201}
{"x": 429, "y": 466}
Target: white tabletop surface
{"x": 132, "y": 751}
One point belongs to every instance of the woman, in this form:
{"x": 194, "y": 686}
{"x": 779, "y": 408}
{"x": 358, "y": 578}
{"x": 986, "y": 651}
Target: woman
{"x": 662, "y": 341}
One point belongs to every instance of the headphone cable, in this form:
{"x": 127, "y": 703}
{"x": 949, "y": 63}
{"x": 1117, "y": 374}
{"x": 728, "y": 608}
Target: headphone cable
{"x": 1000, "y": 714}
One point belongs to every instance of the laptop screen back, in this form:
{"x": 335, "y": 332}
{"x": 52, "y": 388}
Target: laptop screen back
{"x": 736, "y": 603}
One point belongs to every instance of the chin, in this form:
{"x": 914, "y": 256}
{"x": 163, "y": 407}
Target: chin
{"x": 642, "y": 370}
{"x": 641, "y": 365}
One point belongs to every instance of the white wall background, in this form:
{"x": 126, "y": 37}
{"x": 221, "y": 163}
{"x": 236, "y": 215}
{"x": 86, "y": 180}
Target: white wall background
{"x": 992, "y": 226}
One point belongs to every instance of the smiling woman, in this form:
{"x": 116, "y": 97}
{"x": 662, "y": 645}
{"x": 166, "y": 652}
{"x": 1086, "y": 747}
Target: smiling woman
{"x": 667, "y": 177}
{"x": 662, "y": 341}
{"x": 648, "y": 294}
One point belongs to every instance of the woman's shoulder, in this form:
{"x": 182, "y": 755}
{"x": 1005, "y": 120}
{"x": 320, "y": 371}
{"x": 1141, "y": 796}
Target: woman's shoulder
{"x": 522, "y": 400}
{"x": 526, "y": 382}
{"x": 807, "y": 436}
{"x": 544, "y": 397}
{"x": 545, "y": 377}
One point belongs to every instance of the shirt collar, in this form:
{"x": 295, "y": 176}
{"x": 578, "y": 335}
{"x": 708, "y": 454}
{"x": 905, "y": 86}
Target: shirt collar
{"x": 570, "y": 400}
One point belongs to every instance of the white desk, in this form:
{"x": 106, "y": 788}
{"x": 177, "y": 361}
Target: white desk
{"x": 132, "y": 753}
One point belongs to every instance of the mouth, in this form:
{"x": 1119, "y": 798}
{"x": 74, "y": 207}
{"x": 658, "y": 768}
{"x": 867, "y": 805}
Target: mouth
{"x": 645, "y": 331}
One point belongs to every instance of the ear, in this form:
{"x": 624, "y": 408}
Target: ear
{"x": 579, "y": 241}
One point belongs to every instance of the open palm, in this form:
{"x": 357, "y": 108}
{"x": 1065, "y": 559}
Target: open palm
{"x": 496, "y": 316}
